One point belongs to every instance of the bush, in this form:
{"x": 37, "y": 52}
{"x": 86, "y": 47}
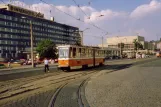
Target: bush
{"x": 2, "y": 65}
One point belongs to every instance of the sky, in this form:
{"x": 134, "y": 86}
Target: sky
{"x": 105, "y": 18}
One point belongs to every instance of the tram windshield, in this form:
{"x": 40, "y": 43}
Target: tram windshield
{"x": 63, "y": 52}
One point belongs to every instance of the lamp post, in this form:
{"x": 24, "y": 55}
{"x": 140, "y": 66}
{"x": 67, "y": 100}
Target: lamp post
{"x": 83, "y": 35}
{"x": 31, "y": 42}
{"x": 102, "y": 38}
{"x": 32, "y": 51}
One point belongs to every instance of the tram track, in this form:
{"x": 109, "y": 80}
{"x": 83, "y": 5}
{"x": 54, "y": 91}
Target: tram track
{"x": 41, "y": 84}
{"x": 81, "y": 99}
{"x": 24, "y": 88}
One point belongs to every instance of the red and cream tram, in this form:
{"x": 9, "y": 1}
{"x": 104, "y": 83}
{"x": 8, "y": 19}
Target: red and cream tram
{"x": 74, "y": 57}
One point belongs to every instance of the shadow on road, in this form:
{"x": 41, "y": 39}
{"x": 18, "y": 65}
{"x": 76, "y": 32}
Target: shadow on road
{"x": 104, "y": 67}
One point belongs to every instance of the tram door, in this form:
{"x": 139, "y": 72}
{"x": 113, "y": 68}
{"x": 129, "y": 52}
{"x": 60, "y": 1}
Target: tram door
{"x": 94, "y": 58}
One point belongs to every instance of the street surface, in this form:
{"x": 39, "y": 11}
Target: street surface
{"x": 42, "y": 90}
{"x": 138, "y": 86}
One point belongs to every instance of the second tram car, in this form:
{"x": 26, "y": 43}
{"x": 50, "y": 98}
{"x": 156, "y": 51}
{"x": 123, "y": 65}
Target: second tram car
{"x": 74, "y": 57}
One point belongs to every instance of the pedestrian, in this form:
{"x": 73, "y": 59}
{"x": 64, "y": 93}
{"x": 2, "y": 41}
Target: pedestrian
{"x": 46, "y": 63}
{"x": 9, "y": 64}
{"x": 52, "y": 61}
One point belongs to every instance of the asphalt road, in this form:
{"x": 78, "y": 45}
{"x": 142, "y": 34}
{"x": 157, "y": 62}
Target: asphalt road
{"x": 68, "y": 96}
{"x": 137, "y": 86}
{"x": 22, "y": 73}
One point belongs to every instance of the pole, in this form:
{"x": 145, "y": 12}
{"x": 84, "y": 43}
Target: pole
{"x": 121, "y": 50}
{"x": 32, "y": 53}
{"x": 82, "y": 38}
{"x": 102, "y": 42}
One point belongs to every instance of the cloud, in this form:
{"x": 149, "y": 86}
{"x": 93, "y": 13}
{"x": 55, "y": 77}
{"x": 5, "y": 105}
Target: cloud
{"x": 146, "y": 9}
{"x": 144, "y": 19}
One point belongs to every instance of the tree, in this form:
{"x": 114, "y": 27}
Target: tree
{"x": 78, "y": 43}
{"x": 140, "y": 46}
{"x": 137, "y": 45}
{"x": 46, "y": 48}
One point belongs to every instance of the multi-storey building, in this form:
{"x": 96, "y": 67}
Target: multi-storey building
{"x": 15, "y": 30}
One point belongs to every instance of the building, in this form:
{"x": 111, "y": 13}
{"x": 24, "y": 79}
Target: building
{"x": 129, "y": 48}
{"x": 16, "y": 24}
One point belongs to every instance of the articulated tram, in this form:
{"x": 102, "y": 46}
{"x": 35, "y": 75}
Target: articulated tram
{"x": 75, "y": 57}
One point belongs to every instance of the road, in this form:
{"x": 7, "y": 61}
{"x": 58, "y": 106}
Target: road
{"x": 137, "y": 86}
{"x": 40, "y": 90}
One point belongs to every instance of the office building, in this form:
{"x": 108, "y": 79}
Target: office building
{"x": 15, "y": 30}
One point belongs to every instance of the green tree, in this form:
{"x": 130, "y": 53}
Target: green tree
{"x": 137, "y": 45}
{"x": 140, "y": 46}
{"x": 78, "y": 43}
{"x": 46, "y": 48}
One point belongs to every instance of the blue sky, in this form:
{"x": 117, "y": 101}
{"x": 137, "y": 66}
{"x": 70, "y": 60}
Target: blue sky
{"x": 117, "y": 5}
{"x": 121, "y": 17}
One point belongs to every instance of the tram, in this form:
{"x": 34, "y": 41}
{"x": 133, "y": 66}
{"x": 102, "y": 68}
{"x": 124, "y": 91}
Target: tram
{"x": 75, "y": 57}
{"x": 158, "y": 54}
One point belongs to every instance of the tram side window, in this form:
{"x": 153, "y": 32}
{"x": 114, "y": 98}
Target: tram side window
{"x": 89, "y": 52}
{"x": 83, "y": 52}
{"x": 96, "y": 53}
{"x": 79, "y": 52}
{"x": 105, "y": 53}
{"x": 101, "y": 53}
{"x": 86, "y": 52}
{"x": 70, "y": 52}
{"x": 74, "y": 52}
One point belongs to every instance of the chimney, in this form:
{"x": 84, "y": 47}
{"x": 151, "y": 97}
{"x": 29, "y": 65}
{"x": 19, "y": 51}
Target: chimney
{"x": 52, "y": 19}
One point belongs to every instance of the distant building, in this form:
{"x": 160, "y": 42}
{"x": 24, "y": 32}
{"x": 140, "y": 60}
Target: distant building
{"x": 15, "y": 30}
{"x": 129, "y": 48}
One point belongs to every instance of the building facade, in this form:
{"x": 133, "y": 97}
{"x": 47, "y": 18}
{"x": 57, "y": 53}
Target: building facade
{"x": 129, "y": 48}
{"x": 15, "y": 30}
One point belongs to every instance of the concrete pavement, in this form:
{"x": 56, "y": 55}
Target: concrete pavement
{"x": 138, "y": 86}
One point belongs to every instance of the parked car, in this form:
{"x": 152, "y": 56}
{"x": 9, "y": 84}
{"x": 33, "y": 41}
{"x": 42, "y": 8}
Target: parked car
{"x": 56, "y": 60}
{"x": 17, "y": 62}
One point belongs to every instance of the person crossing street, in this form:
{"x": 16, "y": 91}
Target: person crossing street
{"x": 46, "y": 63}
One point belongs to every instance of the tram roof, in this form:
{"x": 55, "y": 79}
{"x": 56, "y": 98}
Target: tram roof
{"x": 104, "y": 48}
{"x": 78, "y": 46}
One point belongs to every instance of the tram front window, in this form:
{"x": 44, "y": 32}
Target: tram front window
{"x": 63, "y": 52}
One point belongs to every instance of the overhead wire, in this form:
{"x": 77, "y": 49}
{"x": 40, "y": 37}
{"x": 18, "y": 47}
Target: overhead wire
{"x": 71, "y": 15}
{"x": 62, "y": 11}
{"x": 2, "y": 1}
{"x": 87, "y": 16}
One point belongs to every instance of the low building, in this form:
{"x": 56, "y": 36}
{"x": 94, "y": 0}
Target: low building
{"x": 129, "y": 48}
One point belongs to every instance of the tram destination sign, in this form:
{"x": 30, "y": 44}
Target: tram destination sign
{"x": 25, "y": 11}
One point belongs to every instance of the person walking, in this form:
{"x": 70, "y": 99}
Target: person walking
{"x": 46, "y": 63}
{"x": 9, "y": 64}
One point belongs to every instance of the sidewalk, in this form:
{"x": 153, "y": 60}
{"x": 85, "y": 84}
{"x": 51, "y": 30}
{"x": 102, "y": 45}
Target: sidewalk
{"x": 27, "y": 68}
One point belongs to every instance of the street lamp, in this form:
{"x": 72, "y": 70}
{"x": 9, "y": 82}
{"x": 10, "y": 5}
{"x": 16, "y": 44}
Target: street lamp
{"x": 31, "y": 41}
{"x": 83, "y": 35}
{"x": 81, "y": 31}
{"x": 102, "y": 38}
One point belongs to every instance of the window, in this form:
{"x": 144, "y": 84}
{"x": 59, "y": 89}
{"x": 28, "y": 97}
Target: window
{"x": 74, "y": 52}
